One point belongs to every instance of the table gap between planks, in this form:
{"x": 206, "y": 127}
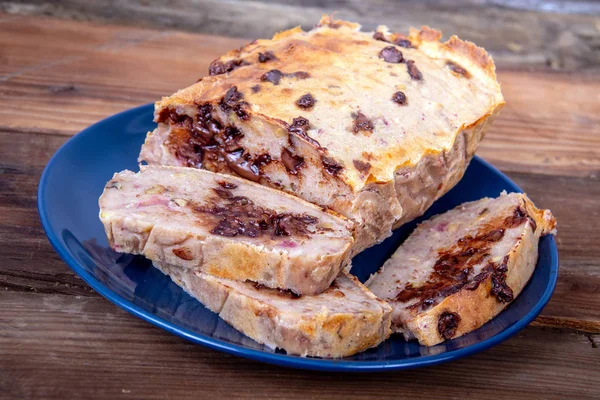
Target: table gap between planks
{"x": 59, "y": 339}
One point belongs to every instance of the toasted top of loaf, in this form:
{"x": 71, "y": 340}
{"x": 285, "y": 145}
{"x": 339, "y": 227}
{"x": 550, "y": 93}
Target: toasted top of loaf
{"x": 373, "y": 102}
{"x": 459, "y": 250}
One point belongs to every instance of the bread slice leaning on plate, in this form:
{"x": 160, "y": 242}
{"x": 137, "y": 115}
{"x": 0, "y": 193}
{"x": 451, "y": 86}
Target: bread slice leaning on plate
{"x": 225, "y": 226}
{"x": 374, "y": 125}
{"x": 459, "y": 269}
{"x": 344, "y": 320}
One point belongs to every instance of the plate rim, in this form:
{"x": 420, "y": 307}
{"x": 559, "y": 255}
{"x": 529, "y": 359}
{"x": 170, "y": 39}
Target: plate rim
{"x": 334, "y": 365}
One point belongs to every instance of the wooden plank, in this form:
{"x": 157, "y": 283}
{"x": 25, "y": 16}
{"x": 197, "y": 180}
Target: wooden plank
{"x": 517, "y": 33}
{"x": 31, "y": 265}
{"x": 56, "y": 347}
{"x": 550, "y": 124}
{"x": 77, "y": 82}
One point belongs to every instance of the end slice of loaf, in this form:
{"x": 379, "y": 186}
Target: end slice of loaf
{"x": 460, "y": 269}
{"x": 225, "y": 226}
{"x": 344, "y": 320}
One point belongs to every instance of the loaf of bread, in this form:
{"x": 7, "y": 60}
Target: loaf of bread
{"x": 375, "y": 126}
{"x": 343, "y": 320}
{"x": 225, "y": 226}
{"x": 459, "y": 269}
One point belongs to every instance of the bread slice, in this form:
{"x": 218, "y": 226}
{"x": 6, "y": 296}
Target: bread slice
{"x": 459, "y": 269}
{"x": 375, "y": 126}
{"x": 225, "y": 226}
{"x": 345, "y": 319}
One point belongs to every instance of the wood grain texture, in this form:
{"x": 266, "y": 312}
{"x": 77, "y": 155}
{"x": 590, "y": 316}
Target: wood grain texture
{"x": 59, "y": 339}
{"x": 516, "y": 32}
{"x": 69, "y": 344}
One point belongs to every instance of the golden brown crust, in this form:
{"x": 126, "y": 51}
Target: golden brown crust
{"x": 426, "y": 34}
{"x": 455, "y": 46}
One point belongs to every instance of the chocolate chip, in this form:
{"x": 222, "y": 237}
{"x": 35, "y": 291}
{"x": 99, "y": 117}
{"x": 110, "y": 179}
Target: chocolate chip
{"x": 255, "y": 88}
{"x": 300, "y": 75}
{"x": 362, "y": 123}
{"x": 266, "y": 56}
{"x": 519, "y": 217}
{"x": 232, "y": 96}
{"x": 331, "y": 166}
{"x": 532, "y": 223}
{"x": 391, "y": 54}
{"x": 457, "y": 69}
{"x": 227, "y": 185}
{"x": 239, "y": 162}
{"x": 223, "y": 193}
{"x": 218, "y": 67}
{"x": 413, "y": 71}
{"x": 241, "y": 110}
{"x": 307, "y": 101}
{"x": 493, "y": 236}
{"x": 273, "y": 76}
{"x": 232, "y": 134}
{"x": 477, "y": 279}
{"x": 362, "y": 166}
{"x": 171, "y": 116}
{"x": 262, "y": 159}
{"x": 448, "y": 324}
{"x": 280, "y": 228}
{"x": 229, "y": 227}
{"x": 379, "y": 36}
{"x": 403, "y": 43}
{"x": 500, "y": 288}
{"x": 300, "y": 127}
{"x": 400, "y": 98}
{"x": 292, "y": 162}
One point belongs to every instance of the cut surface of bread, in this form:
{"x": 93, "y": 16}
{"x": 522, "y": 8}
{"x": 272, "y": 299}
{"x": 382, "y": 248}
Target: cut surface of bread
{"x": 459, "y": 269}
{"x": 374, "y": 125}
{"x": 225, "y": 226}
{"x": 344, "y": 320}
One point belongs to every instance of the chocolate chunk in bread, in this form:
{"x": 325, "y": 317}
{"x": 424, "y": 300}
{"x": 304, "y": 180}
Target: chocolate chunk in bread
{"x": 225, "y": 226}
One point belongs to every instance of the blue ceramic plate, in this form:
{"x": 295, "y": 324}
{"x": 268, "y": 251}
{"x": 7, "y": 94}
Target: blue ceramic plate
{"x": 68, "y": 206}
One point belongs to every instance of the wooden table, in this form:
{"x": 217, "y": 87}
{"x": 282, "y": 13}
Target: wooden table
{"x": 59, "y": 339}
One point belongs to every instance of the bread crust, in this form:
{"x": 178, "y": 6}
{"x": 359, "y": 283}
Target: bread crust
{"x": 325, "y": 333}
